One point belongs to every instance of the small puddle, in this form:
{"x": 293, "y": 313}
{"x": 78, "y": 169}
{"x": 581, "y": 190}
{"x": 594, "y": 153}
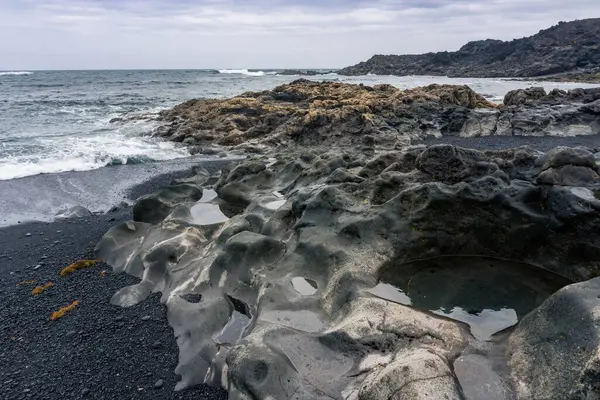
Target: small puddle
{"x": 487, "y": 294}
{"x": 306, "y": 287}
{"x": 207, "y": 214}
{"x": 208, "y": 195}
{"x": 233, "y": 331}
{"x": 275, "y": 205}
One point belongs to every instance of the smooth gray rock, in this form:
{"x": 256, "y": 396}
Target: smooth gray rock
{"x": 555, "y": 350}
{"x": 74, "y": 212}
{"x": 346, "y": 216}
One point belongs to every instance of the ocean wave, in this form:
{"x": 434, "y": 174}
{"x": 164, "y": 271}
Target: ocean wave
{"x": 15, "y": 73}
{"x": 70, "y": 153}
{"x": 246, "y": 72}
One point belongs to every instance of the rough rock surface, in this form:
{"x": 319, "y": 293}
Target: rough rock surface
{"x": 334, "y": 219}
{"x": 313, "y": 113}
{"x": 567, "y": 47}
{"x": 305, "y": 113}
{"x": 591, "y": 76}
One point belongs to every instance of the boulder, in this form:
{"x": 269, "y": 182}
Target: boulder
{"x": 522, "y": 96}
{"x": 555, "y": 350}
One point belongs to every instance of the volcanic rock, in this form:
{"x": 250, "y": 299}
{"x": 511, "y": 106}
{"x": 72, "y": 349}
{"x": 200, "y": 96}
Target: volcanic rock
{"x": 338, "y": 219}
{"x": 569, "y": 47}
{"x": 305, "y": 113}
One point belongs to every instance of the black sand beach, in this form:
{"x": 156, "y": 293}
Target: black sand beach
{"x": 97, "y": 351}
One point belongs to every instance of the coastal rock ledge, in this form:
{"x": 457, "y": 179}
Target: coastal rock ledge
{"x": 306, "y": 113}
{"x": 415, "y": 273}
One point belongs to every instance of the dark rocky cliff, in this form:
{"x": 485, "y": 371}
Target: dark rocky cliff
{"x": 565, "y": 48}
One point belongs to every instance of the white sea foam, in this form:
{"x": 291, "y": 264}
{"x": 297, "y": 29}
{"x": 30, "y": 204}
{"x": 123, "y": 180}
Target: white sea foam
{"x": 69, "y": 153}
{"x": 245, "y": 72}
{"x": 15, "y": 73}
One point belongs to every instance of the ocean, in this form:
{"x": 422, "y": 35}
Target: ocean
{"x": 54, "y": 122}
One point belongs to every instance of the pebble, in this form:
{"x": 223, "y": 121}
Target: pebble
{"x": 156, "y": 344}
{"x": 28, "y": 235}
{"x": 146, "y": 318}
{"x": 71, "y": 334}
{"x": 37, "y": 267}
{"x": 119, "y": 318}
{"x": 158, "y": 384}
{"x": 85, "y": 391}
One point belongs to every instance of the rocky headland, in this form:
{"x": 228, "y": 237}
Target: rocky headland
{"x": 592, "y": 76}
{"x": 569, "y": 47}
{"x": 344, "y": 260}
{"x": 305, "y": 113}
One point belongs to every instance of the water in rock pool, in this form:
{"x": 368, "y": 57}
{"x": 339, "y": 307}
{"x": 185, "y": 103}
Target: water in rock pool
{"x": 207, "y": 214}
{"x": 304, "y": 286}
{"x": 487, "y": 294}
{"x": 234, "y": 329}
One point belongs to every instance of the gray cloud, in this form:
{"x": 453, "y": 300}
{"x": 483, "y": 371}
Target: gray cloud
{"x": 61, "y": 34}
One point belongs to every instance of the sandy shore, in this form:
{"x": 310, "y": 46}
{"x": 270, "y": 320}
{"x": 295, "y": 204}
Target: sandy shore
{"x": 97, "y": 351}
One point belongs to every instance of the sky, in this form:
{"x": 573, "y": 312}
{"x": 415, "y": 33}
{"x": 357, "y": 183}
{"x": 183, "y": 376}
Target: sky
{"x": 131, "y": 34}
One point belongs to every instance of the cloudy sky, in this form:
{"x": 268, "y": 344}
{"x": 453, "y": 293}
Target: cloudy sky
{"x": 97, "y": 34}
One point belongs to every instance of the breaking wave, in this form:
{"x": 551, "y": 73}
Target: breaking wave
{"x": 83, "y": 153}
{"x": 246, "y": 72}
{"x": 15, "y": 73}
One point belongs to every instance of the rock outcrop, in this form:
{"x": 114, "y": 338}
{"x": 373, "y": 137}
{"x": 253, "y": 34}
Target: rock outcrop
{"x": 567, "y": 47}
{"x": 304, "y": 72}
{"x": 280, "y": 298}
{"x": 305, "y": 113}
{"x": 312, "y": 113}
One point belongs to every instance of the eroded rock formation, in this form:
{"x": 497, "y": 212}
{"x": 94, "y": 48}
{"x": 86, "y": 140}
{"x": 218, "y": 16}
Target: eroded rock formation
{"x": 305, "y": 113}
{"x": 273, "y": 287}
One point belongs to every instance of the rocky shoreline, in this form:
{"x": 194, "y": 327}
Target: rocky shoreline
{"x": 579, "y": 77}
{"x": 306, "y": 113}
{"x": 345, "y": 259}
{"x": 567, "y": 48}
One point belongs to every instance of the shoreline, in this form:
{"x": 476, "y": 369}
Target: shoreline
{"x": 39, "y": 198}
{"x": 97, "y": 351}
